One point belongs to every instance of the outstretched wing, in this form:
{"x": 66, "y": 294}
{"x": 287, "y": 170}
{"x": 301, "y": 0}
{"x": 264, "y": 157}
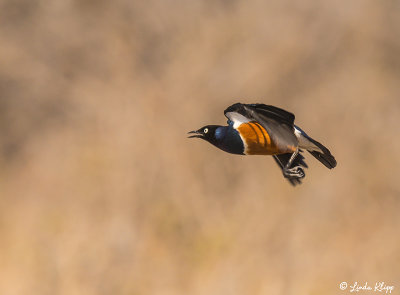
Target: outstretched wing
{"x": 277, "y": 122}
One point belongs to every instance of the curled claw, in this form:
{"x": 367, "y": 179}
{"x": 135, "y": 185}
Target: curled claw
{"x": 295, "y": 172}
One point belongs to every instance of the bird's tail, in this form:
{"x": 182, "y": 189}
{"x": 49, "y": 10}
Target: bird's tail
{"x": 323, "y": 154}
{"x": 318, "y": 150}
{"x": 327, "y": 159}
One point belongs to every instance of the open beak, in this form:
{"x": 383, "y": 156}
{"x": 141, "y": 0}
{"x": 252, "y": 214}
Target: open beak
{"x": 197, "y": 134}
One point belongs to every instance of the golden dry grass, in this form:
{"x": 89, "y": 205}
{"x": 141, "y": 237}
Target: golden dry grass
{"x": 102, "y": 193}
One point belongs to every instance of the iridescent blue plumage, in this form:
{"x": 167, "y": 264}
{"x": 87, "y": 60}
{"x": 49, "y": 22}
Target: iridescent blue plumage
{"x": 228, "y": 139}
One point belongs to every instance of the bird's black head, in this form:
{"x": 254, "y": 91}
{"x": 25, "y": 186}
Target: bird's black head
{"x": 207, "y": 133}
{"x": 224, "y": 137}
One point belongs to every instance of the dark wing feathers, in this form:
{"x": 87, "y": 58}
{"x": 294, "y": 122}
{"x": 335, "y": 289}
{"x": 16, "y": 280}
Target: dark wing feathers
{"x": 249, "y": 110}
{"x": 275, "y": 113}
{"x": 278, "y": 122}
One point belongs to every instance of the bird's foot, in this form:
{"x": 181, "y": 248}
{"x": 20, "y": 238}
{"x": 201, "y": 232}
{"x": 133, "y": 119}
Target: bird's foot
{"x": 295, "y": 172}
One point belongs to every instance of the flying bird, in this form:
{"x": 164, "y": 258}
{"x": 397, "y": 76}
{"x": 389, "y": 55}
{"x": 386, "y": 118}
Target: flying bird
{"x": 259, "y": 129}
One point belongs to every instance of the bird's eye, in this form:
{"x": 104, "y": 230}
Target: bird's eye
{"x": 205, "y": 130}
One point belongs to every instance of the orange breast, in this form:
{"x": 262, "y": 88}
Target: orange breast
{"x": 257, "y": 141}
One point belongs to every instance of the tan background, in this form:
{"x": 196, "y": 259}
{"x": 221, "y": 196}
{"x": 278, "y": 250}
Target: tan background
{"x": 102, "y": 193}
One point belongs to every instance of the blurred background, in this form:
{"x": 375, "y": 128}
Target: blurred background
{"x": 102, "y": 193}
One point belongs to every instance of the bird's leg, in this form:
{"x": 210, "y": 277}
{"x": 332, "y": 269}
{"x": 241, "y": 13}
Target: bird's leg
{"x": 296, "y": 171}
